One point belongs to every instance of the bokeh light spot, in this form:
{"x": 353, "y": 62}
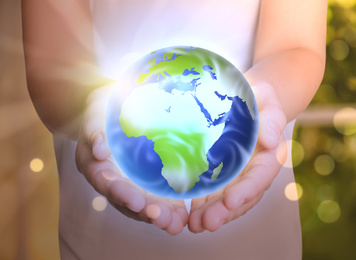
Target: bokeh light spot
{"x": 36, "y": 165}
{"x": 351, "y": 83}
{"x": 329, "y": 211}
{"x": 351, "y": 144}
{"x": 153, "y": 211}
{"x": 339, "y": 151}
{"x": 324, "y": 164}
{"x": 343, "y": 3}
{"x": 345, "y": 121}
{"x": 330, "y": 35}
{"x": 350, "y": 36}
{"x": 339, "y": 50}
{"x": 99, "y": 203}
{"x": 325, "y": 192}
{"x": 293, "y": 191}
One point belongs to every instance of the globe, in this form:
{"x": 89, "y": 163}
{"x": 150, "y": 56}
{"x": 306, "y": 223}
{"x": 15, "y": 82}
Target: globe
{"x": 182, "y": 122}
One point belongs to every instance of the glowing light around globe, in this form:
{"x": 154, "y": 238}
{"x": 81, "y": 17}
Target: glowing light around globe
{"x": 182, "y": 122}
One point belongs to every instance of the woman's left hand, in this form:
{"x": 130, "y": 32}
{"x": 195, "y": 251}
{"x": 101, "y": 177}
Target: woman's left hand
{"x": 212, "y": 211}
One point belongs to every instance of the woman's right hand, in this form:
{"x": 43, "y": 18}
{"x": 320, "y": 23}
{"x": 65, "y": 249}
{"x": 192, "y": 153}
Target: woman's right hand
{"x": 95, "y": 161}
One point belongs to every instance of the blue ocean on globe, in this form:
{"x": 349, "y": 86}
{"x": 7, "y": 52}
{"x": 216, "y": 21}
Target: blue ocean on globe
{"x": 182, "y": 122}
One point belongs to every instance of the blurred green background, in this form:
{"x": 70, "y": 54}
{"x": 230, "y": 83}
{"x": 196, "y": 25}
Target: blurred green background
{"x": 324, "y": 151}
{"x": 324, "y": 154}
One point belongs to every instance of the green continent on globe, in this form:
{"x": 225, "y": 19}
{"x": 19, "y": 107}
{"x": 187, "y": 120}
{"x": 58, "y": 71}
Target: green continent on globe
{"x": 217, "y": 171}
{"x": 182, "y": 154}
{"x": 181, "y": 105}
{"x": 181, "y": 136}
{"x": 178, "y": 62}
{"x": 183, "y": 62}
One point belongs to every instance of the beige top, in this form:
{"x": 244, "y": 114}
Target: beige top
{"x": 125, "y": 30}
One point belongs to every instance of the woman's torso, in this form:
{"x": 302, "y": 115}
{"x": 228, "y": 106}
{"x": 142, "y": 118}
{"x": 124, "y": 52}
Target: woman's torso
{"x": 123, "y": 31}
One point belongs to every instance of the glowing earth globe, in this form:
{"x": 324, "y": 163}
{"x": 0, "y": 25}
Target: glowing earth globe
{"x": 182, "y": 122}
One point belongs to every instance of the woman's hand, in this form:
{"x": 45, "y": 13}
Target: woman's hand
{"x": 210, "y": 212}
{"x": 95, "y": 162}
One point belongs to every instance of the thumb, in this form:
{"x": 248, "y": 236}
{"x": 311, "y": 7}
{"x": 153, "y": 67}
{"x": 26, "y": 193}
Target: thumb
{"x": 94, "y": 123}
{"x": 272, "y": 124}
{"x": 271, "y": 116}
{"x": 100, "y": 146}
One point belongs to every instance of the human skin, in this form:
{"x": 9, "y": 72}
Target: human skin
{"x": 67, "y": 92}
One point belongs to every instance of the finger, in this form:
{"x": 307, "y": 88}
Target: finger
{"x": 183, "y": 214}
{"x": 198, "y": 221}
{"x": 272, "y": 124}
{"x": 215, "y": 215}
{"x": 93, "y": 170}
{"x": 100, "y": 145}
{"x": 104, "y": 177}
{"x": 94, "y": 122}
{"x": 271, "y": 116}
{"x": 169, "y": 215}
{"x": 82, "y": 154}
{"x": 126, "y": 211}
{"x": 196, "y": 213}
{"x": 176, "y": 226}
{"x": 195, "y": 224}
{"x": 153, "y": 214}
{"x": 244, "y": 208}
{"x": 157, "y": 213}
{"x": 124, "y": 193}
{"x": 198, "y": 206}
